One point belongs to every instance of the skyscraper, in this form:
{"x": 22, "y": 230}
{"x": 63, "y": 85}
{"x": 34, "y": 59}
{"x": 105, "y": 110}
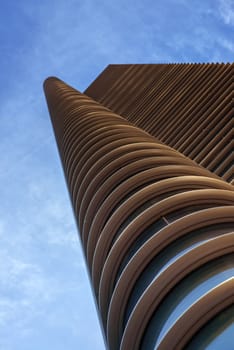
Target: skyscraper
{"x": 147, "y": 156}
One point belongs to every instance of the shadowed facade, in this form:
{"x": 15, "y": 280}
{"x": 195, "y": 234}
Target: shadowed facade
{"x": 156, "y": 227}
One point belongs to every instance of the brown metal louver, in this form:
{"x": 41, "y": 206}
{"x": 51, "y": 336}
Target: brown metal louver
{"x": 157, "y": 226}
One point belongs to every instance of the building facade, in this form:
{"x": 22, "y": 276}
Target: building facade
{"x": 147, "y": 156}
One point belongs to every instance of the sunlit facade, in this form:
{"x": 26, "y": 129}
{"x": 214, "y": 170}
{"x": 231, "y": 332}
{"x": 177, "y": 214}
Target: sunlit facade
{"x": 146, "y": 152}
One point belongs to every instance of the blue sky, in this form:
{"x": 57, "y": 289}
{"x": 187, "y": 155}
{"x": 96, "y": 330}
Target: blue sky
{"x": 45, "y": 296}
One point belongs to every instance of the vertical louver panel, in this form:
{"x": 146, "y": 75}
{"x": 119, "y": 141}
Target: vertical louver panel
{"x": 187, "y": 106}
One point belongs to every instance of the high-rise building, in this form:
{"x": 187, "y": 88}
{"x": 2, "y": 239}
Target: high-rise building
{"x": 147, "y": 156}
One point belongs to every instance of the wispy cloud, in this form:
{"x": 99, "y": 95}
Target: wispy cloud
{"x": 44, "y": 291}
{"x": 25, "y": 290}
{"x": 226, "y": 8}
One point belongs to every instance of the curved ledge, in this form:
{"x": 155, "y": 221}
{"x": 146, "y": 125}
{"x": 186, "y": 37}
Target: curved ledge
{"x": 198, "y": 315}
{"x": 165, "y": 282}
{"x": 108, "y": 255}
{"x": 147, "y": 252}
{"x": 144, "y": 177}
{"x": 161, "y": 157}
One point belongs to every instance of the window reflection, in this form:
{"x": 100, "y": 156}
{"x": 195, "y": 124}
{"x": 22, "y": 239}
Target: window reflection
{"x": 189, "y": 290}
{"x": 217, "y": 334}
{"x": 167, "y": 256}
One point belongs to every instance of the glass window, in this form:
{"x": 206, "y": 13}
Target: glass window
{"x": 217, "y": 334}
{"x": 153, "y": 228}
{"x": 180, "y": 298}
{"x": 168, "y": 255}
{"x": 193, "y": 296}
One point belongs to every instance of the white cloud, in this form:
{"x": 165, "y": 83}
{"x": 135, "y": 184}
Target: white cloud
{"x": 41, "y": 265}
{"x": 24, "y": 290}
{"x": 226, "y": 8}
